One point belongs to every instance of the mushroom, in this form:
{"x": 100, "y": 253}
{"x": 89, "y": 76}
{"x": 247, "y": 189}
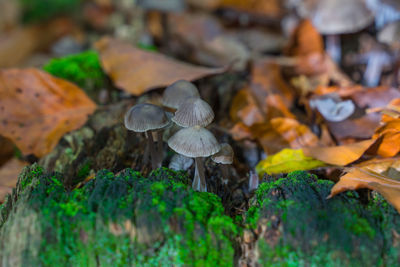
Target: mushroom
{"x": 334, "y": 17}
{"x": 224, "y": 157}
{"x": 148, "y": 118}
{"x": 192, "y": 112}
{"x": 175, "y": 94}
{"x": 195, "y": 142}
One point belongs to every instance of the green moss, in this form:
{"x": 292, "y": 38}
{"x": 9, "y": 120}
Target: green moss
{"x": 83, "y": 69}
{"x": 169, "y": 223}
{"x": 41, "y": 10}
{"x": 315, "y": 231}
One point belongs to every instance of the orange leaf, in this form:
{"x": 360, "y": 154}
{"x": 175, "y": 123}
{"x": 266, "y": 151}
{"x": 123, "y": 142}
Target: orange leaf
{"x": 244, "y": 108}
{"x": 272, "y": 8}
{"x": 305, "y": 40}
{"x": 137, "y": 71}
{"x": 296, "y": 134}
{"x": 358, "y": 178}
{"x": 390, "y": 134}
{"x": 37, "y": 109}
{"x": 339, "y": 155}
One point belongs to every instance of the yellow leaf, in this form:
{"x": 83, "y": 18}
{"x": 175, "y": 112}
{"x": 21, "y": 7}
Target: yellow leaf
{"x": 287, "y": 160}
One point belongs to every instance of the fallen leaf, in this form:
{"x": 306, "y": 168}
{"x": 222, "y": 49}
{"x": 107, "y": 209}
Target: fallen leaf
{"x": 286, "y": 161}
{"x": 22, "y": 42}
{"x": 375, "y": 97}
{"x": 305, "y": 40}
{"x": 266, "y": 78}
{"x": 244, "y": 108}
{"x": 357, "y": 178}
{"x": 137, "y": 71}
{"x": 9, "y": 175}
{"x": 381, "y": 165}
{"x": 359, "y": 128}
{"x": 390, "y": 135}
{"x": 270, "y": 8}
{"x": 296, "y": 134}
{"x": 339, "y": 155}
{"x": 270, "y": 140}
{"x": 37, "y": 109}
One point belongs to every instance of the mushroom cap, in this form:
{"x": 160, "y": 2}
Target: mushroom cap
{"x": 390, "y": 34}
{"x": 224, "y": 155}
{"x": 194, "y": 142}
{"x": 178, "y": 92}
{"x": 145, "y": 117}
{"x": 341, "y": 16}
{"x": 192, "y": 112}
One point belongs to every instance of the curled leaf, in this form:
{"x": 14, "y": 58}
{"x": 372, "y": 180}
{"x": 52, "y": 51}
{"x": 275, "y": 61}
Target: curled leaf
{"x": 339, "y": 155}
{"x": 357, "y": 178}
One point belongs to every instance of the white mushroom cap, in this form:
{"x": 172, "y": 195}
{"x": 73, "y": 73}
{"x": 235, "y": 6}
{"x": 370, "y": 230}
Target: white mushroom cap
{"x": 224, "y": 155}
{"x": 145, "y": 117}
{"x": 341, "y": 16}
{"x": 192, "y": 112}
{"x": 175, "y": 94}
{"x": 194, "y": 142}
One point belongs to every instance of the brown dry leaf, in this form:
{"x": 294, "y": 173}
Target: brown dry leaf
{"x": 360, "y": 128}
{"x": 266, "y": 79}
{"x": 296, "y": 134}
{"x": 339, "y": 155}
{"x": 381, "y": 165}
{"x": 270, "y": 8}
{"x": 244, "y": 108}
{"x": 9, "y": 175}
{"x": 390, "y": 112}
{"x": 358, "y": 178}
{"x": 240, "y": 131}
{"x": 137, "y": 71}
{"x": 21, "y": 43}
{"x": 390, "y": 135}
{"x": 305, "y": 40}
{"x": 37, "y": 109}
{"x": 375, "y": 97}
{"x": 270, "y": 140}
{"x": 342, "y": 91}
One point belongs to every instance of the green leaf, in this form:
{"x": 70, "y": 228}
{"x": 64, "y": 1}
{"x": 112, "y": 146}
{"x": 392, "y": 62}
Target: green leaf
{"x": 287, "y": 160}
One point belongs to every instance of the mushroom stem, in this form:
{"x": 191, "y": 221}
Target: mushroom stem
{"x": 333, "y": 47}
{"x": 146, "y": 152}
{"x": 160, "y": 148}
{"x": 225, "y": 173}
{"x": 199, "y": 181}
{"x": 152, "y": 150}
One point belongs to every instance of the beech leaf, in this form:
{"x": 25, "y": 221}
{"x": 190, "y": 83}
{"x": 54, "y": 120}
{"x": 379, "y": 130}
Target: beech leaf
{"x": 37, "y": 109}
{"x": 339, "y": 155}
{"x": 357, "y": 178}
{"x": 137, "y": 71}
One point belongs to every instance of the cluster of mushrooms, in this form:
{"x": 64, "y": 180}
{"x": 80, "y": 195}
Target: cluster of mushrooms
{"x": 192, "y": 140}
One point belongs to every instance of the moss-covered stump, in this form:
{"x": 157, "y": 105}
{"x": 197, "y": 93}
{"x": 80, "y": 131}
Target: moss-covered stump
{"x": 114, "y": 220}
{"x": 291, "y": 223}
